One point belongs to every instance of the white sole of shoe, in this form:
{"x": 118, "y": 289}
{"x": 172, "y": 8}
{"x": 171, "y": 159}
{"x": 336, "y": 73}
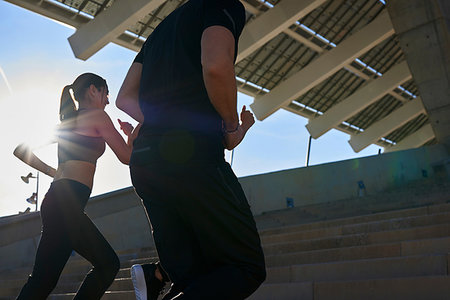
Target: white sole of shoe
{"x": 138, "y": 279}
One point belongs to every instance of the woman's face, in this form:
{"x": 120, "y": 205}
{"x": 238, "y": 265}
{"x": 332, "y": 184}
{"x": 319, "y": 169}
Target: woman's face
{"x": 102, "y": 97}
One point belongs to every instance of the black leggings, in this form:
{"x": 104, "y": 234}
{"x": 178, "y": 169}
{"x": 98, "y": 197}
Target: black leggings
{"x": 203, "y": 229}
{"x": 65, "y": 227}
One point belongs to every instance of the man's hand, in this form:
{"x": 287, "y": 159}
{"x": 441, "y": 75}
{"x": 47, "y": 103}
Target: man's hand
{"x": 233, "y": 138}
{"x": 247, "y": 119}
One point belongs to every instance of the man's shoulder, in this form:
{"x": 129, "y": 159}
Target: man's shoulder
{"x": 221, "y": 3}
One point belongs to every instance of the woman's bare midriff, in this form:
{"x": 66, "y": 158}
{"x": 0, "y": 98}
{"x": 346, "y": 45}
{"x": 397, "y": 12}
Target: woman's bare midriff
{"x": 77, "y": 170}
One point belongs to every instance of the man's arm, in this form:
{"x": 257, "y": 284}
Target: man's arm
{"x": 128, "y": 97}
{"x": 218, "y": 73}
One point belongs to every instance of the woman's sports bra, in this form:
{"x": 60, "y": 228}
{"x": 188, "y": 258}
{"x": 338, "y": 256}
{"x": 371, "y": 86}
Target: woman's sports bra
{"x": 75, "y": 146}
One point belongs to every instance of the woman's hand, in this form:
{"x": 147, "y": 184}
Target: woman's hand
{"x": 129, "y": 131}
{"x": 135, "y": 132}
{"x": 126, "y": 127}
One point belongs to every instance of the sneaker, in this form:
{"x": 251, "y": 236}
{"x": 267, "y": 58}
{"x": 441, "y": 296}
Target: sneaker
{"x": 138, "y": 279}
{"x": 146, "y": 285}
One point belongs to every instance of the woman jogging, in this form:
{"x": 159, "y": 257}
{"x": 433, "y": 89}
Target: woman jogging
{"x": 65, "y": 227}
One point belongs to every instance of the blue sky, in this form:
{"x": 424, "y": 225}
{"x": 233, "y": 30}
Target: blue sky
{"x": 36, "y": 62}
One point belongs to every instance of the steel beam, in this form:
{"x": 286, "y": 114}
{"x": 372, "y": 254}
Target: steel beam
{"x": 388, "y": 124}
{"x": 359, "y": 100}
{"x": 268, "y": 25}
{"x": 323, "y": 67}
{"x": 109, "y": 24}
{"x": 415, "y": 140}
{"x": 72, "y": 19}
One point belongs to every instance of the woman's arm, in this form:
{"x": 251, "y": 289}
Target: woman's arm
{"x": 128, "y": 97}
{"x": 112, "y": 137}
{"x": 25, "y": 154}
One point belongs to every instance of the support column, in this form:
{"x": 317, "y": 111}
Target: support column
{"x": 422, "y": 27}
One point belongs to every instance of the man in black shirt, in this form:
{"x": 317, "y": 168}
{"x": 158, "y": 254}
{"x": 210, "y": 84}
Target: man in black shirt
{"x": 182, "y": 88}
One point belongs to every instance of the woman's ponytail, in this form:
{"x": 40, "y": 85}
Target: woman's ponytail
{"x": 67, "y": 108}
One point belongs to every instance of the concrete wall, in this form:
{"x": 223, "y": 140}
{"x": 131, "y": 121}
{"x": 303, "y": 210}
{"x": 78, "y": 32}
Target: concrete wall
{"x": 120, "y": 216}
{"x": 423, "y": 32}
{"x": 339, "y": 180}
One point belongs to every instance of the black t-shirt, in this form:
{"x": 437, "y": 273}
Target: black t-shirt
{"x": 172, "y": 94}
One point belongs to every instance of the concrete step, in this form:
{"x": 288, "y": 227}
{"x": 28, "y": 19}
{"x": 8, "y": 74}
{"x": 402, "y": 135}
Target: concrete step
{"x": 421, "y": 265}
{"x": 434, "y": 265}
{"x": 70, "y": 282}
{"x": 75, "y": 264}
{"x": 66, "y": 283}
{"x": 398, "y": 223}
{"x": 334, "y": 254}
{"x": 416, "y": 288}
{"x": 420, "y": 211}
{"x": 408, "y": 248}
{"x": 124, "y": 271}
{"x": 79, "y": 265}
{"x": 13, "y": 287}
{"x": 83, "y": 266}
{"x": 426, "y": 232}
{"x": 344, "y": 221}
{"x": 375, "y": 246}
{"x": 393, "y": 201}
{"x": 109, "y": 295}
{"x": 9, "y": 289}
{"x": 139, "y": 252}
{"x": 144, "y": 260}
{"x": 119, "y": 284}
{"x": 373, "y": 226}
{"x": 285, "y": 291}
{"x": 71, "y": 277}
{"x": 412, "y": 288}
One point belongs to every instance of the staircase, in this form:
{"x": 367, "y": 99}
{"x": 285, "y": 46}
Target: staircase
{"x": 395, "y": 245}
{"x": 392, "y": 255}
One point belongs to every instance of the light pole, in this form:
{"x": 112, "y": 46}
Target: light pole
{"x": 308, "y": 152}
{"x": 35, "y": 196}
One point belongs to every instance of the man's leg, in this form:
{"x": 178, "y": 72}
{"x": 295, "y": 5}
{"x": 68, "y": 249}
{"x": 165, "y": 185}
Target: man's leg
{"x": 217, "y": 210}
{"x": 204, "y": 230}
{"x": 173, "y": 238}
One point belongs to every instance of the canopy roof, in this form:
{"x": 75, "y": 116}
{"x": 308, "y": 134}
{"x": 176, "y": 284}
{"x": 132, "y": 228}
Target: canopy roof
{"x": 336, "y": 62}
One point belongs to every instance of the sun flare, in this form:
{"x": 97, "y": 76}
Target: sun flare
{"x": 32, "y": 114}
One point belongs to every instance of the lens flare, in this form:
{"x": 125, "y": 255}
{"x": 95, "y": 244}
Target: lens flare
{"x": 6, "y": 80}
